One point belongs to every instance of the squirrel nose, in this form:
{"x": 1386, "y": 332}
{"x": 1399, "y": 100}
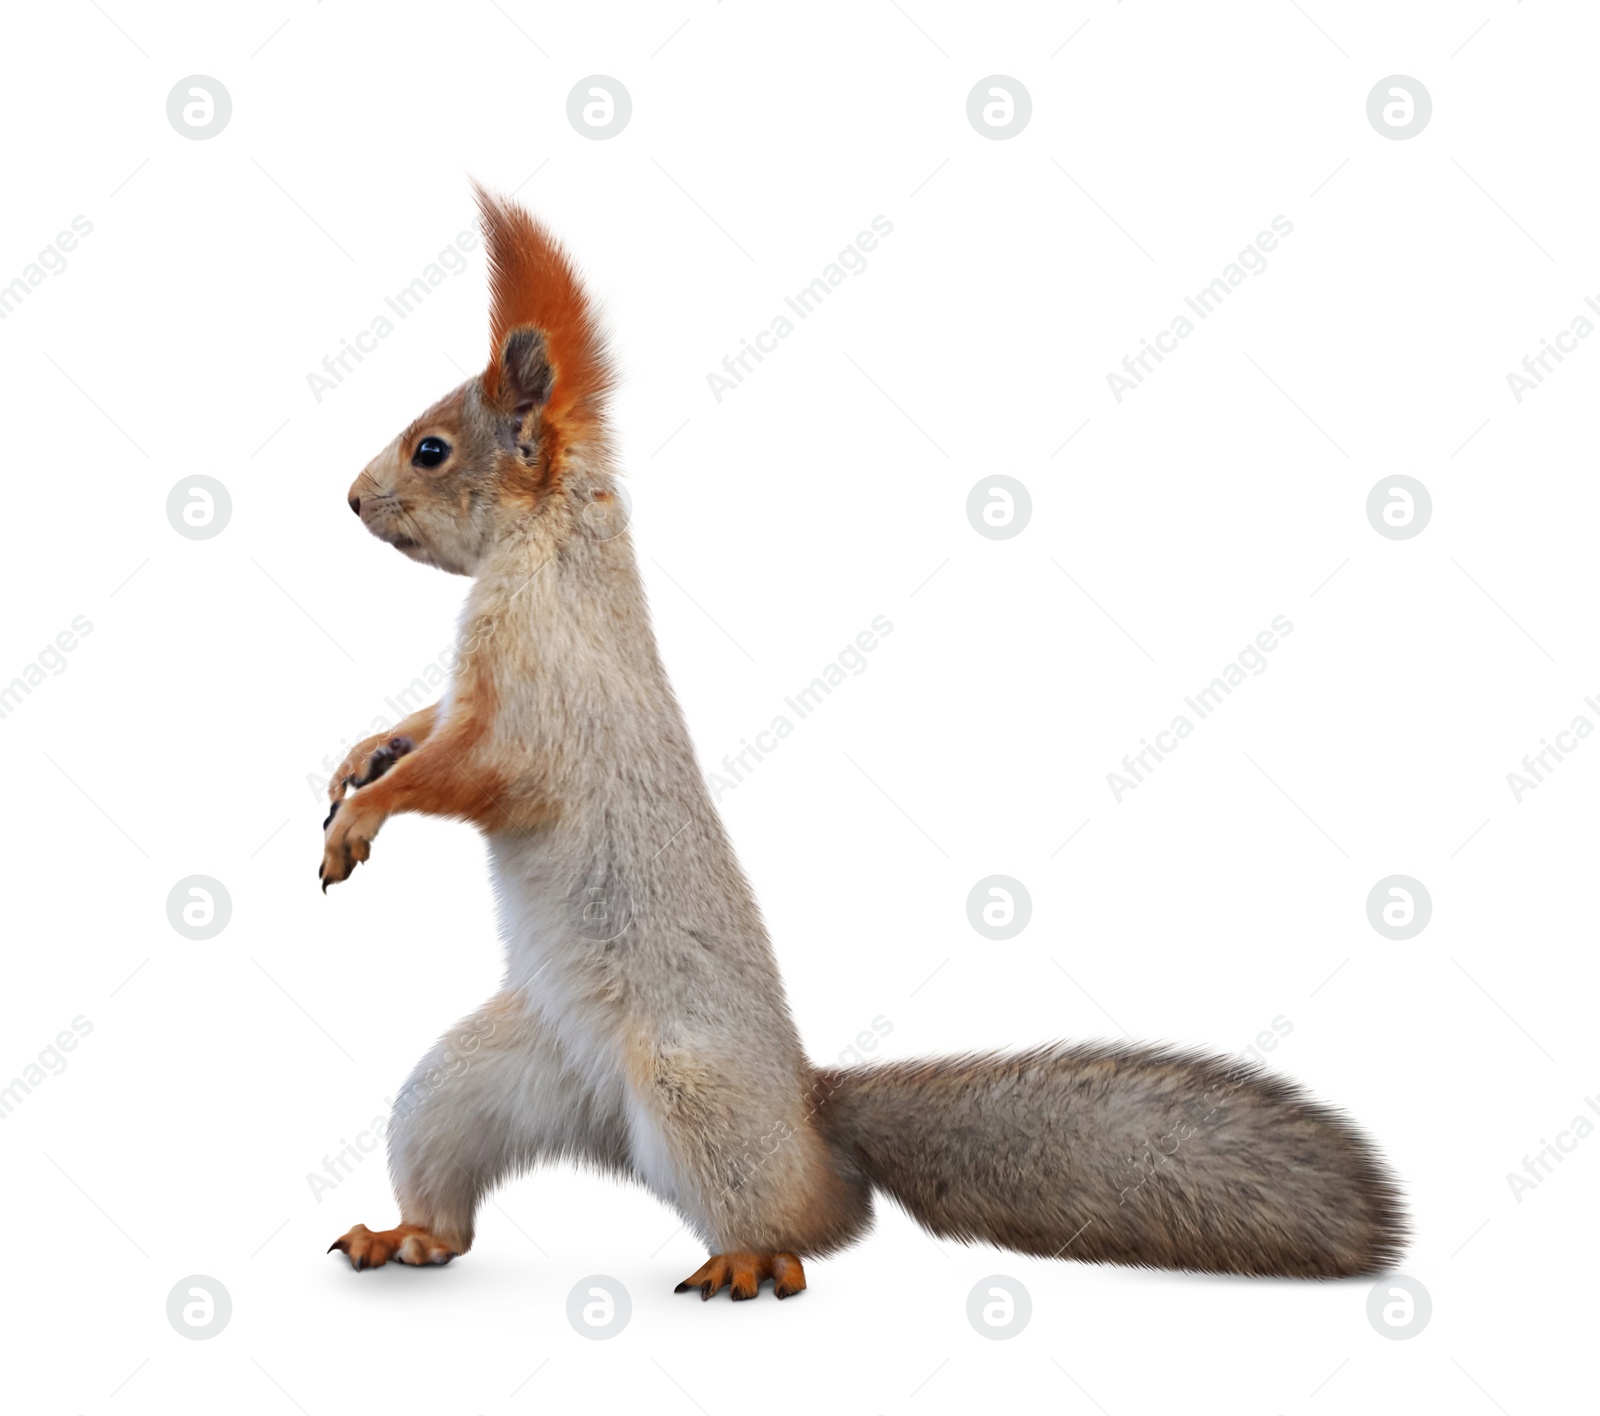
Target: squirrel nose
{"x": 355, "y": 505}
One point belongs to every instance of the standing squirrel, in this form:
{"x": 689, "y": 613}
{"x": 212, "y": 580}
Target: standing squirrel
{"x": 642, "y": 1025}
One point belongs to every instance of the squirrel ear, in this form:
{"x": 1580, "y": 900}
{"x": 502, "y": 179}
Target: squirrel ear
{"x": 525, "y": 375}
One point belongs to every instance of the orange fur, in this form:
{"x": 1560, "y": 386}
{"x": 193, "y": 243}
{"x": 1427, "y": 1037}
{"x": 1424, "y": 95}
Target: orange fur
{"x": 418, "y": 726}
{"x": 742, "y": 1272}
{"x": 407, "y": 1243}
{"x": 443, "y": 781}
{"x": 532, "y": 282}
{"x": 455, "y": 772}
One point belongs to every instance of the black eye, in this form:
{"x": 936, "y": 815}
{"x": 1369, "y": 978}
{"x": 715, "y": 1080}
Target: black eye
{"x": 430, "y": 452}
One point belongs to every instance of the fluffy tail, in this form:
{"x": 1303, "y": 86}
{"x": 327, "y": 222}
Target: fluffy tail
{"x": 1121, "y": 1155}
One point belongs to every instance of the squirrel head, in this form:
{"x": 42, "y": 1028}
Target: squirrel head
{"x": 517, "y": 439}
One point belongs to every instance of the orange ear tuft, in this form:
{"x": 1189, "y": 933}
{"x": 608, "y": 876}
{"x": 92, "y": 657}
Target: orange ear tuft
{"x": 532, "y": 283}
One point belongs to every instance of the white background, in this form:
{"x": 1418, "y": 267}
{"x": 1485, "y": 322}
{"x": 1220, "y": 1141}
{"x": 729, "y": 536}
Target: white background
{"x": 772, "y": 527}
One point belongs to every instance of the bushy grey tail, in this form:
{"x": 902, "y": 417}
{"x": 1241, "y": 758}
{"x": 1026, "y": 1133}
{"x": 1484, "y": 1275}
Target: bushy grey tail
{"x": 1123, "y": 1155}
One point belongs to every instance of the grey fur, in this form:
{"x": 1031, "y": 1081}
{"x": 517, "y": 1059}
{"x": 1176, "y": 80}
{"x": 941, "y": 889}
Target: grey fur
{"x": 1122, "y": 1155}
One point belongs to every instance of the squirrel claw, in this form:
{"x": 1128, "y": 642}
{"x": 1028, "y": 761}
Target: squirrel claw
{"x": 405, "y": 1244}
{"x": 742, "y": 1273}
{"x": 347, "y": 843}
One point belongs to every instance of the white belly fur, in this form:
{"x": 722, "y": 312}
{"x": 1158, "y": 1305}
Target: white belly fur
{"x": 563, "y": 981}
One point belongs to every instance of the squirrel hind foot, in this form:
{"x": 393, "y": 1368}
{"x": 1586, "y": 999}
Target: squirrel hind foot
{"x": 741, "y": 1273}
{"x": 405, "y": 1244}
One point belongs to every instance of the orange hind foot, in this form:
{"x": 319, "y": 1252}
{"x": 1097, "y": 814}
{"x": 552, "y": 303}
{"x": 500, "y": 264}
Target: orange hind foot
{"x": 405, "y": 1244}
{"x": 741, "y": 1274}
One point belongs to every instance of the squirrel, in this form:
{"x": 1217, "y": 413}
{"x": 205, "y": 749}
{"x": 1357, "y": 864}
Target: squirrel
{"x": 642, "y": 1026}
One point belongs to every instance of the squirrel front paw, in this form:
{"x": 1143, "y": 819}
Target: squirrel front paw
{"x": 368, "y": 760}
{"x": 346, "y": 840}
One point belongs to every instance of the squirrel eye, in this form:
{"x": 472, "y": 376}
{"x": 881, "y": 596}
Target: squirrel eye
{"x": 430, "y": 452}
